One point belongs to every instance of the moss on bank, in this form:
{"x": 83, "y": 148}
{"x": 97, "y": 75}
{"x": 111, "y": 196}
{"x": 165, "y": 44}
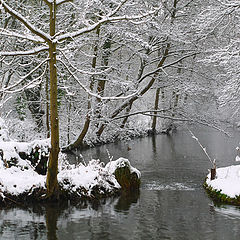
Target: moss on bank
{"x": 219, "y": 197}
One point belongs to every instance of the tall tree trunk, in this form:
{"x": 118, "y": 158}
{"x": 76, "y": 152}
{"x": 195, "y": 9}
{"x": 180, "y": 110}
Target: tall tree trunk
{"x": 175, "y": 99}
{"x": 68, "y": 122}
{"x": 154, "y": 122}
{"x": 52, "y": 183}
{"x": 47, "y": 106}
{"x": 101, "y": 83}
{"x": 128, "y": 109}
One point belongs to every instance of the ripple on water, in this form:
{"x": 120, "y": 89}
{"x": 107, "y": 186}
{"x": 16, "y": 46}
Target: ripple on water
{"x": 232, "y": 212}
{"x": 176, "y": 186}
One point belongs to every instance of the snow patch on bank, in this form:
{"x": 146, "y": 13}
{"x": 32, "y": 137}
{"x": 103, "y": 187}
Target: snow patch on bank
{"x": 12, "y": 149}
{"x": 227, "y": 181}
{"x": 73, "y": 177}
{"x": 17, "y": 180}
{"x": 14, "y": 181}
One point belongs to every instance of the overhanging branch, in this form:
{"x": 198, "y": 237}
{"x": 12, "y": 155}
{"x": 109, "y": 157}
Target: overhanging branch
{"x": 104, "y": 19}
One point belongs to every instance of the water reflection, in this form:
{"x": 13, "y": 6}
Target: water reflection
{"x": 52, "y": 214}
{"x": 232, "y": 212}
{"x": 56, "y": 222}
{"x": 125, "y": 201}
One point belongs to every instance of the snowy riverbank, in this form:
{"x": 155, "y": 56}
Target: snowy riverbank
{"x": 76, "y": 181}
{"x": 226, "y": 187}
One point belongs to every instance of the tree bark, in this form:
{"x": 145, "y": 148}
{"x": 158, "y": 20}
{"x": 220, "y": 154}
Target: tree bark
{"x": 52, "y": 182}
{"x": 154, "y": 122}
{"x": 101, "y": 83}
{"x": 47, "y": 106}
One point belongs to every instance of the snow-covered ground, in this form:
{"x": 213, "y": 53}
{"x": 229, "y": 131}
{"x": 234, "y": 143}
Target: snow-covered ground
{"x": 16, "y": 180}
{"x": 227, "y": 181}
{"x": 19, "y": 175}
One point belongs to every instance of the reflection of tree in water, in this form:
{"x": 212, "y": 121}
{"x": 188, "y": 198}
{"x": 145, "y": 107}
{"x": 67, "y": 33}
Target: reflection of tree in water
{"x": 52, "y": 214}
{"x": 91, "y": 220}
{"x": 126, "y": 200}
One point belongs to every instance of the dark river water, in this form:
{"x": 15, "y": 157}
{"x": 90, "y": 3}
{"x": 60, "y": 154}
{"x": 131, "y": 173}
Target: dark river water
{"x": 172, "y": 203}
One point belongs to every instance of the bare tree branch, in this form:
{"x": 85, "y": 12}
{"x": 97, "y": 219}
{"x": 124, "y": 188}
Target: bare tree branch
{"x": 105, "y": 19}
{"x": 23, "y": 78}
{"x": 117, "y": 8}
{"x": 26, "y": 23}
{"x": 24, "y": 53}
{"x": 17, "y": 35}
{"x": 94, "y": 94}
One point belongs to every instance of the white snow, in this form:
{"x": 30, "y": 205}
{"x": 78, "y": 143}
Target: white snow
{"x": 237, "y": 159}
{"x": 227, "y": 181}
{"x": 94, "y": 174}
{"x": 16, "y": 180}
{"x": 22, "y": 178}
{"x": 11, "y": 149}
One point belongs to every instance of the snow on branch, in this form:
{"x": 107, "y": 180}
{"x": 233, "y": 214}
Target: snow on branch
{"x": 88, "y": 91}
{"x": 159, "y": 69}
{"x": 58, "y": 2}
{"x": 8, "y": 33}
{"x": 24, "y": 53}
{"x": 8, "y": 89}
{"x": 233, "y": 3}
{"x": 79, "y": 70}
{"x": 104, "y": 19}
{"x": 213, "y": 162}
{"x": 31, "y": 84}
{"x": 117, "y": 8}
{"x": 149, "y": 113}
{"x": 24, "y": 21}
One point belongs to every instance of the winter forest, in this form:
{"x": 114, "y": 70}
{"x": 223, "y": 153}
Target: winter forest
{"x": 120, "y": 68}
{"x": 85, "y": 73}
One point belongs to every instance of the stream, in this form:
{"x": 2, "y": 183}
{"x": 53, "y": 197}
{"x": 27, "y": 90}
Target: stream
{"x": 172, "y": 203}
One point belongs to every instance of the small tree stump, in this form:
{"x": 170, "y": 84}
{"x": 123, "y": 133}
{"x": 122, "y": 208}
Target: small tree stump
{"x": 128, "y": 181}
{"x": 213, "y": 172}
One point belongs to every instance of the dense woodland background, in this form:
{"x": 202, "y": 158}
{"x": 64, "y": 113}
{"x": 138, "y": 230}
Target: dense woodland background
{"x": 137, "y": 66}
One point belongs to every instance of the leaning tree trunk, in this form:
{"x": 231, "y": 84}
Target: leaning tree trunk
{"x": 52, "y": 183}
{"x": 79, "y": 141}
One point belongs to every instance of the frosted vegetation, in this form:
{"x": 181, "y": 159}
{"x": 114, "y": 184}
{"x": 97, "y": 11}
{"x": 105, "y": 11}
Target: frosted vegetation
{"x": 153, "y": 72}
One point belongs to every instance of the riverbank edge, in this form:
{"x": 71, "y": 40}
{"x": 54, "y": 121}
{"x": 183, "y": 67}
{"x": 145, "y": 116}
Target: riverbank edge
{"x": 38, "y": 197}
{"x": 219, "y": 197}
{"x": 85, "y": 145}
{"x": 115, "y": 178}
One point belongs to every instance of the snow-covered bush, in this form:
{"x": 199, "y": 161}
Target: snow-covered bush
{"x": 4, "y": 134}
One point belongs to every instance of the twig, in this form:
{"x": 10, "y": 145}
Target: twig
{"x": 213, "y": 162}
